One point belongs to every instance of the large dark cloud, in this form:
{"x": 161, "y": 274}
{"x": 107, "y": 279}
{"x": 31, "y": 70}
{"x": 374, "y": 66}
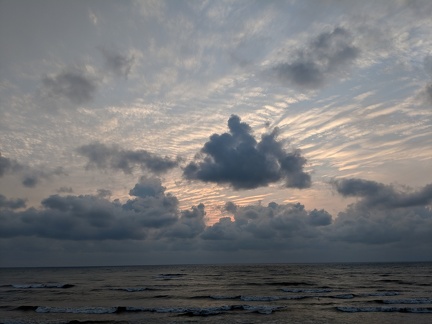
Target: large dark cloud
{"x": 329, "y": 54}
{"x": 401, "y": 228}
{"x": 153, "y": 221}
{"x": 12, "y": 203}
{"x": 381, "y": 195}
{"x": 75, "y": 85}
{"x": 270, "y": 225}
{"x": 237, "y": 159}
{"x": 103, "y": 156}
{"x": 118, "y": 64}
{"x": 87, "y": 217}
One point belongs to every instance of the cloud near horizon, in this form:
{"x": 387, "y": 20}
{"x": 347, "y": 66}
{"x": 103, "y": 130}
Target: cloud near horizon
{"x": 151, "y": 215}
{"x": 237, "y": 159}
{"x": 376, "y": 194}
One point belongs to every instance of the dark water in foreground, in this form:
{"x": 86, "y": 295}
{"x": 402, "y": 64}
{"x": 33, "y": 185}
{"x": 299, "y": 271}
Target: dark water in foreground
{"x": 272, "y": 293}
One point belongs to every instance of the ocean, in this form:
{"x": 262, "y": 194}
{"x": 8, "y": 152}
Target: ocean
{"x": 252, "y": 293}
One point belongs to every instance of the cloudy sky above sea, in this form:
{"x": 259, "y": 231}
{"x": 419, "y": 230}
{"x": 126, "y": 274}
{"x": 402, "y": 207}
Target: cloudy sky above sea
{"x": 148, "y": 132}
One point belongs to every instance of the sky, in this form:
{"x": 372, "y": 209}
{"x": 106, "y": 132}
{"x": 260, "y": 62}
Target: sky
{"x": 165, "y": 132}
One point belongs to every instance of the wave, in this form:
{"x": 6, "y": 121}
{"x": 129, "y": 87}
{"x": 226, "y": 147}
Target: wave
{"x": 39, "y": 285}
{"x": 306, "y": 290}
{"x": 342, "y": 296}
{"x": 195, "y": 311}
{"x": 169, "y": 276}
{"x": 77, "y": 310}
{"x": 290, "y": 283}
{"x": 250, "y": 298}
{"x": 408, "y": 301}
{"x": 351, "y": 309}
{"x": 379, "y": 294}
{"x": 132, "y": 289}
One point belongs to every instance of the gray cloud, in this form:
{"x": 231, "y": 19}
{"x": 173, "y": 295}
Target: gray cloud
{"x": 428, "y": 93}
{"x": 103, "y": 156}
{"x": 87, "y": 217}
{"x": 33, "y": 177}
{"x": 328, "y": 54}
{"x": 65, "y": 190}
{"x": 119, "y": 65}
{"x": 76, "y": 86}
{"x": 237, "y": 159}
{"x": 8, "y": 166}
{"x": 378, "y": 194}
{"x": 102, "y": 193}
{"x": 12, "y": 203}
{"x": 190, "y": 224}
{"x": 360, "y": 223}
{"x": 267, "y": 227}
{"x": 154, "y": 218}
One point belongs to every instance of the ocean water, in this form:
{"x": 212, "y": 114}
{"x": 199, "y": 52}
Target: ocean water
{"x": 262, "y": 293}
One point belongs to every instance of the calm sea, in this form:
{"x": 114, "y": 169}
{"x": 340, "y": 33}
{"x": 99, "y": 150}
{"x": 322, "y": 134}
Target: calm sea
{"x": 270, "y": 293}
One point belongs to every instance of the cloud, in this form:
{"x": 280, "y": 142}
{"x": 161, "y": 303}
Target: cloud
{"x": 329, "y": 54}
{"x": 87, "y": 217}
{"x": 153, "y": 220}
{"x": 190, "y": 224}
{"x": 76, "y": 86}
{"x": 117, "y": 64}
{"x": 237, "y": 159}
{"x": 377, "y": 194}
{"x": 363, "y": 224}
{"x": 103, "y": 156}
{"x": 33, "y": 177}
{"x": 160, "y": 209}
{"x": 102, "y": 193}
{"x": 12, "y": 203}
{"x": 8, "y": 166}
{"x": 428, "y": 92}
{"x": 65, "y": 190}
{"x": 268, "y": 227}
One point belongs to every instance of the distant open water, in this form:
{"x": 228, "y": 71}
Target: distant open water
{"x": 270, "y": 293}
